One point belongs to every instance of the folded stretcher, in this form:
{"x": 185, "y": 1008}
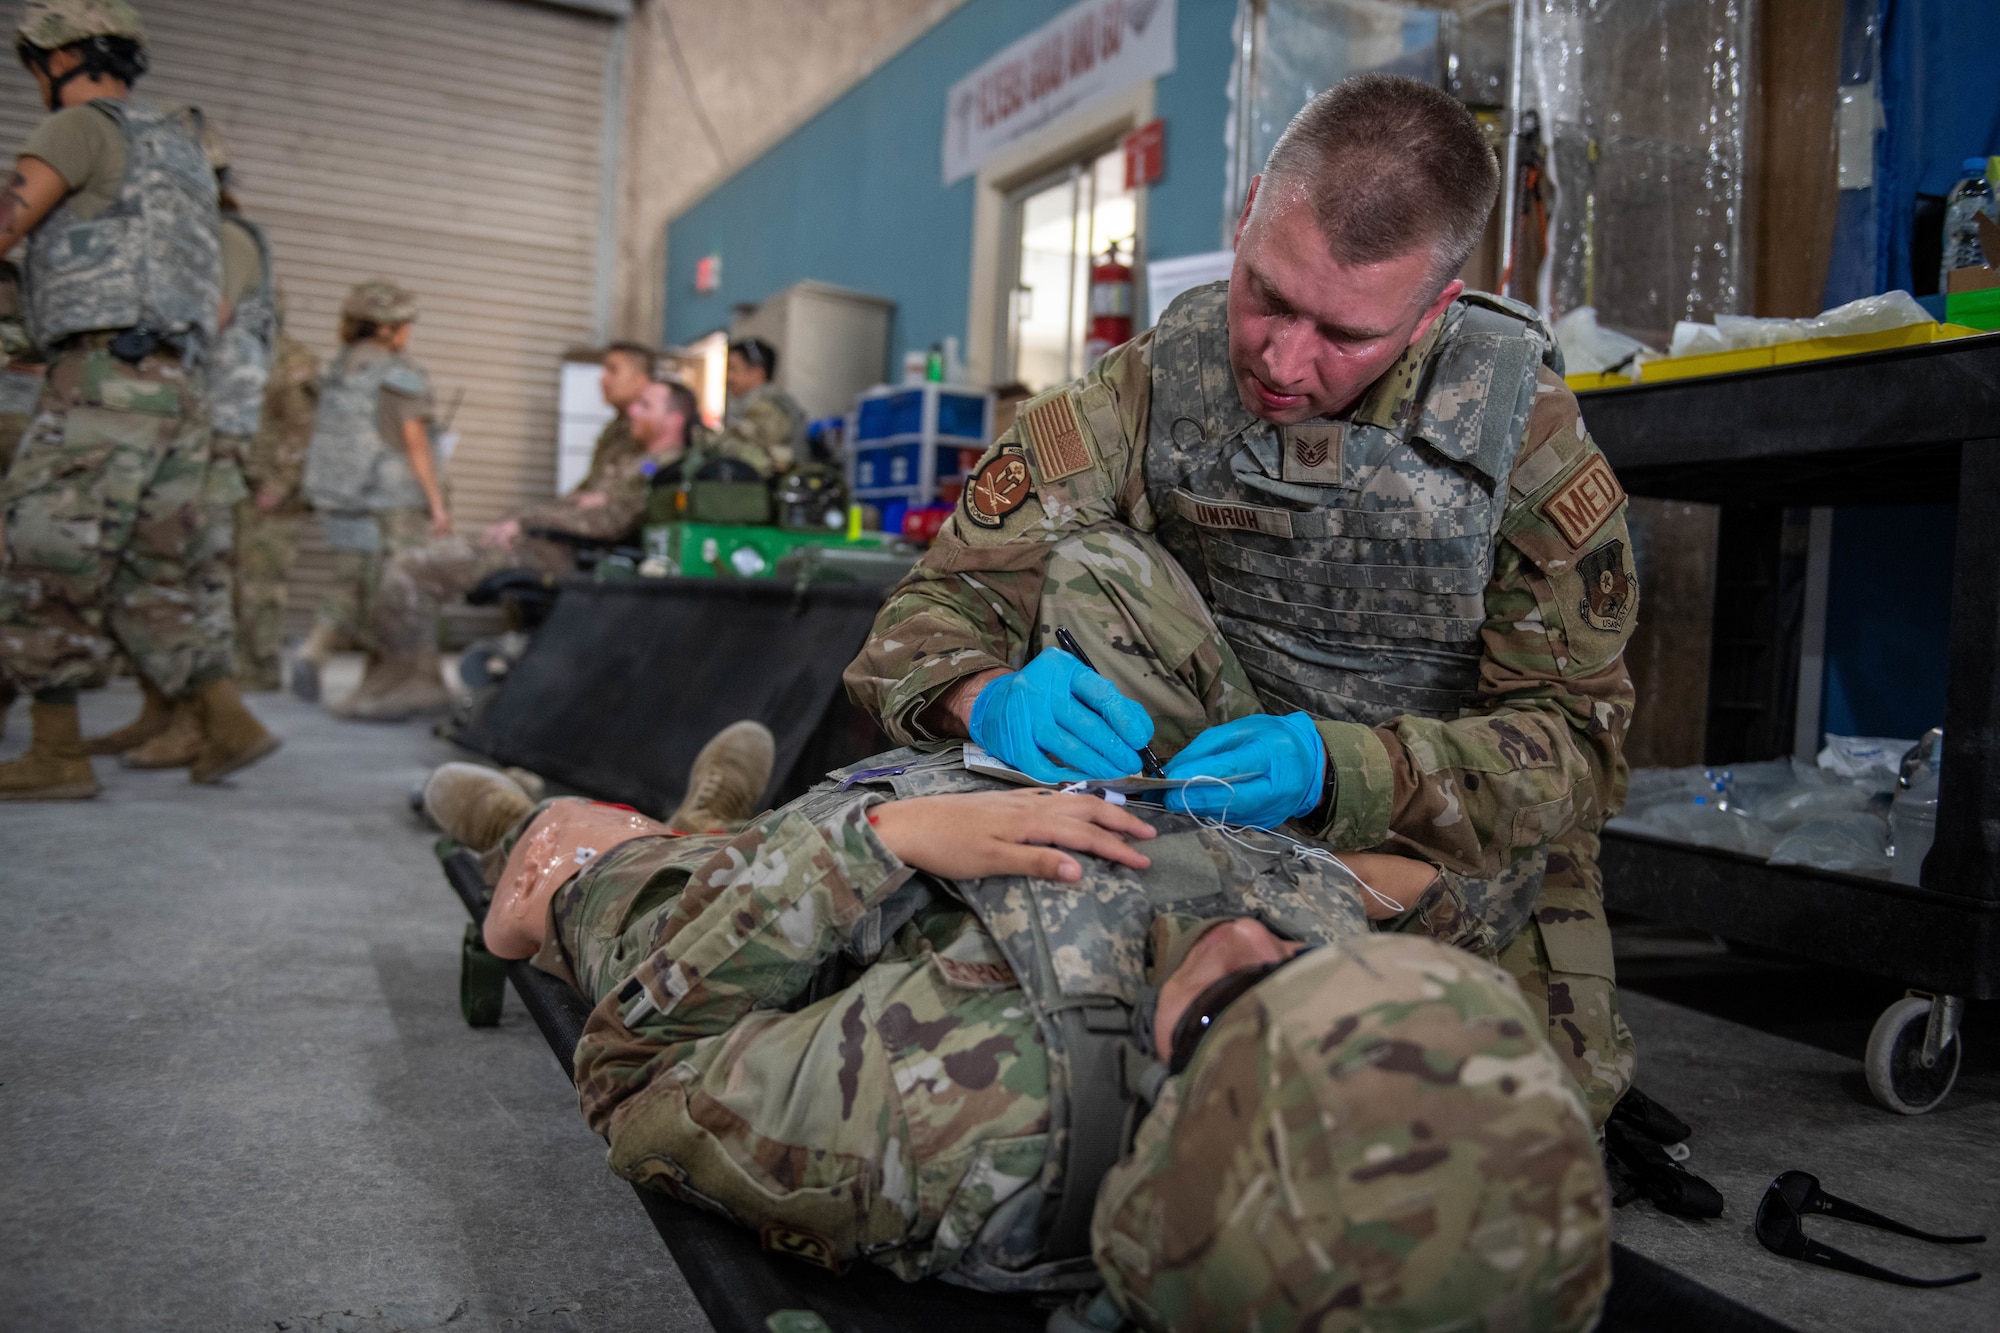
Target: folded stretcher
{"x": 744, "y": 1289}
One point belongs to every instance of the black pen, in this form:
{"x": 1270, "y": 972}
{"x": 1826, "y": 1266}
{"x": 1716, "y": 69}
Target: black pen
{"x": 1149, "y": 762}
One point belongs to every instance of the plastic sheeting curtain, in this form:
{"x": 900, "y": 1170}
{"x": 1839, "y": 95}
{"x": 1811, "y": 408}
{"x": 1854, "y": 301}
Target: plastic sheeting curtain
{"x": 1641, "y": 153}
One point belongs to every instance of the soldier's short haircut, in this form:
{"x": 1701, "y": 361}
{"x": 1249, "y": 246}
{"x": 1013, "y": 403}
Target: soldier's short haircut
{"x": 684, "y": 401}
{"x": 1388, "y": 164}
{"x": 641, "y": 355}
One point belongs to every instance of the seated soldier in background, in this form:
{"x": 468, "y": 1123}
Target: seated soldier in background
{"x": 763, "y": 425}
{"x": 1335, "y": 1129}
{"x": 653, "y": 427}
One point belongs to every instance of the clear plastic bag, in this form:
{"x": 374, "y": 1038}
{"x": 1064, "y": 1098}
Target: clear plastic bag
{"x": 1856, "y": 842}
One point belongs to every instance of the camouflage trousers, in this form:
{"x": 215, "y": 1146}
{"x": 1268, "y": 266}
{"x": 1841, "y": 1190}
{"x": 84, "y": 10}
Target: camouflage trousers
{"x": 212, "y": 560}
{"x": 265, "y": 544}
{"x": 417, "y": 582}
{"x": 349, "y": 605}
{"x": 1135, "y": 612}
{"x": 102, "y": 507}
{"x": 895, "y": 1119}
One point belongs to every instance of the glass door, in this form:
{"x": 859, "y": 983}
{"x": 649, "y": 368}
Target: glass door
{"x": 1063, "y": 223}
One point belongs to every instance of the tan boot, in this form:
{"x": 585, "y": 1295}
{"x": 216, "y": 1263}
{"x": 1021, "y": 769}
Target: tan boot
{"x": 726, "y": 784}
{"x": 397, "y": 689}
{"x": 473, "y": 805}
{"x": 313, "y": 654}
{"x": 175, "y": 747}
{"x": 155, "y": 714}
{"x": 231, "y": 738}
{"x": 55, "y": 768}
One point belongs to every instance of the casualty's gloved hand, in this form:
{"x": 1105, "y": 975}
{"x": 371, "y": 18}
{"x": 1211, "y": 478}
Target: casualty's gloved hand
{"x": 1284, "y": 756}
{"x": 1057, "y": 721}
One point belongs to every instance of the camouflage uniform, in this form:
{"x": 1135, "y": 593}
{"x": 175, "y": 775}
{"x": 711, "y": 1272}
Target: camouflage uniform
{"x": 765, "y": 428}
{"x": 266, "y": 540}
{"x": 103, "y": 501}
{"x": 1512, "y": 758}
{"x": 416, "y": 582}
{"x": 919, "y": 1116}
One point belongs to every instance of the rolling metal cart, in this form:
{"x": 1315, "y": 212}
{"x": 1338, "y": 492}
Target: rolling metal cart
{"x": 1905, "y": 426}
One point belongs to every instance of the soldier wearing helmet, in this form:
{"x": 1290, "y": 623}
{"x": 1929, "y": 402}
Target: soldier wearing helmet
{"x": 122, "y": 292}
{"x": 237, "y": 368}
{"x": 1057, "y": 1043}
{"x": 372, "y": 471}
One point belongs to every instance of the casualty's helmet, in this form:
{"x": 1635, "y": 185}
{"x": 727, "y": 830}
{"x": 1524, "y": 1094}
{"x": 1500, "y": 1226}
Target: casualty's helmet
{"x": 50, "y": 25}
{"x": 380, "y": 301}
{"x": 1375, "y": 1135}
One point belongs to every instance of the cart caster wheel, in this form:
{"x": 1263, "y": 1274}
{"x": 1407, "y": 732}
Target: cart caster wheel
{"x": 482, "y": 982}
{"x": 1897, "y": 1073}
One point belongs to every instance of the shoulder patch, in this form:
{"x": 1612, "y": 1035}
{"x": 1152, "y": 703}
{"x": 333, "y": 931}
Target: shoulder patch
{"x": 1582, "y": 504}
{"x": 1609, "y": 588}
{"x": 997, "y": 489}
{"x": 1056, "y": 436}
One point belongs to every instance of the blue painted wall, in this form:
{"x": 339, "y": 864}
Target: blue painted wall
{"x": 853, "y": 197}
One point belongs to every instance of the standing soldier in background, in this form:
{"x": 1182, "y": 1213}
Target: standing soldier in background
{"x": 20, "y": 386}
{"x": 268, "y": 522}
{"x": 237, "y": 365}
{"x": 763, "y": 425}
{"x": 372, "y": 470}
{"x": 123, "y": 283}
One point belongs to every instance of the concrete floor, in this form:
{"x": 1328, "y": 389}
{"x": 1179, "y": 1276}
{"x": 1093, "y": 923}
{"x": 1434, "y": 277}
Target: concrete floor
{"x": 235, "y": 1090}
{"x": 236, "y": 1093}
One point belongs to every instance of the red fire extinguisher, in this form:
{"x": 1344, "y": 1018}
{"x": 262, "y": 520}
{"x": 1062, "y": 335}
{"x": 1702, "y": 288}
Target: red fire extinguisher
{"x": 1110, "y": 304}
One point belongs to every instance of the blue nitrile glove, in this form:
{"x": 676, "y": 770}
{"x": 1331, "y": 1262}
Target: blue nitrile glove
{"x": 1284, "y": 756}
{"x": 1057, "y": 721}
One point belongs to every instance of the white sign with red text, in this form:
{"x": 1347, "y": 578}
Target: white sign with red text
{"x": 1089, "y": 50}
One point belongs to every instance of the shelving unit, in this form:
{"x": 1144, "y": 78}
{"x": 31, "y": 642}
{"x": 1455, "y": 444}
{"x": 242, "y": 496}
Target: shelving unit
{"x": 906, "y": 441}
{"x": 1905, "y": 426}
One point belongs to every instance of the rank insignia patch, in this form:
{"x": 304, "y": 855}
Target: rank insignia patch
{"x": 1606, "y": 603}
{"x": 800, "y": 1244}
{"x": 1312, "y": 453}
{"x": 1581, "y": 505}
{"x": 997, "y": 490}
{"x": 1057, "y": 438}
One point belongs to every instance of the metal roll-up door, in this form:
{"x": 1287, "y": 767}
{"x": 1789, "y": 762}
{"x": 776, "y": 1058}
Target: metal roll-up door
{"x": 452, "y": 145}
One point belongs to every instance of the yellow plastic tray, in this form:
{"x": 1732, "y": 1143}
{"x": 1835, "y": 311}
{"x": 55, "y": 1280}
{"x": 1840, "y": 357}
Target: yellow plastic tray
{"x": 1803, "y": 349}
{"x": 1707, "y": 363}
{"x": 1597, "y": 379}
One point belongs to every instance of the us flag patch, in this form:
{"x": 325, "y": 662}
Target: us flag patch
{"x": 1056, "y": 436}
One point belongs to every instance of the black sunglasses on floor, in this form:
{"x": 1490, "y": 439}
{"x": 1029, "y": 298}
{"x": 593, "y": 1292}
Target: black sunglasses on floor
{"x": 1781, "y": 1229}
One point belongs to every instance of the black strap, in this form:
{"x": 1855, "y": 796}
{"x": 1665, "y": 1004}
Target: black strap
{"x": 1093, "y": 1042}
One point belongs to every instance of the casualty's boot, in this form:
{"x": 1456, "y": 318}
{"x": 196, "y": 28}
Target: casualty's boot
{"x": 475, "y": 806}
{"x": 312, "y": 656}
{"x": 176, "y": 747}
{"x": 155, "y": 715}
{"x": 231, "y": 738}
{"x": 726, "y": 784}
{"x": 55, "y": 768}
{"x": 396, "y": 689}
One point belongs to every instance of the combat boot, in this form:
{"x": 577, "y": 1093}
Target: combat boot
{"x": 231, "y": 738}
{"x": 396, "y": 689}
{"x": 475, "y": 806}
{"x": 55, "y": 768}
{"x": 175, "y": 747}
{"x": 312, "y": 656}
{"x": 155, "y": 716}
{"x": 726, "y": 784}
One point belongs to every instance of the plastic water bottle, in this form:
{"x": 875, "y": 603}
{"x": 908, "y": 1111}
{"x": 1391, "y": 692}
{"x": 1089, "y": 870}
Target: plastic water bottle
{"x": 1969, "y": 198}
{"x": 1913, "y": 825}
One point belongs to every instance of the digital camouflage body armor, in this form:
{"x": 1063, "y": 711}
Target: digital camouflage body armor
{"x": 1079, "y": 954}
{"x": 152, "y": 260}
{"x": 351, "y": 471}
{"x": 1346, "y": 561}
{"x": 239, "y": 365}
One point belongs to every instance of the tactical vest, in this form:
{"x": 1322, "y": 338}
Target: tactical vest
{"x": 152, "y": 260}
{"x": 1078, "y": 952}
{"x": 1346, "y": 563}
{"x": 239, "y": 365}
{"x": 350, "y": 468}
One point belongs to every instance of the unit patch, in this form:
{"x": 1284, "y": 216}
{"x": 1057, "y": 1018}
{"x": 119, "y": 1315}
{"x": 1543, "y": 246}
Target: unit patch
{"x": 1312, "y": 453}
{"x": 1056, "y": 436}
{"x": 1606, "y": 602}
{"x": 800, "y": 1244}
{"x": 997, "y": 489}
{"x": 1581, "y": 505}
